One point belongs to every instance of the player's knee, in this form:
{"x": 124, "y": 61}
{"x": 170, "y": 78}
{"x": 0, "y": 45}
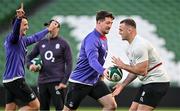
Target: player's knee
{"x": 112, "y": 106}
{"x": 133, "y": 109}
{"x": 35, "y": 104}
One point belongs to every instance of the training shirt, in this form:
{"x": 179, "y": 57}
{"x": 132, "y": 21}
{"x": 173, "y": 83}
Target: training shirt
{"x": 56, "y": 57}
{"x": 91, "y": 59}
{"x": 141, "y": 50}
{"x": 15, "y": 50}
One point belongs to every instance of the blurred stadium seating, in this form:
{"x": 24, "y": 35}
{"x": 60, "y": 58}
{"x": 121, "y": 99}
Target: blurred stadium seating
{"x": 163, "y": 13}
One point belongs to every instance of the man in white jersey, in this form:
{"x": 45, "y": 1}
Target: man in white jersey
{"x": 145, "y": 64}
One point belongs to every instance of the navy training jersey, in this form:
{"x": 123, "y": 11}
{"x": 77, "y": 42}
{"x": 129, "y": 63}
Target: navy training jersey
{"x": 16, "y": 49}
{"x": 91, "y": 59}
{"x": 56, "y": 57}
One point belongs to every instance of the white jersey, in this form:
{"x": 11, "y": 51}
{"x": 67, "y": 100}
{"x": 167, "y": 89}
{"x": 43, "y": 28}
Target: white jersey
{"x": 141, "y": 50}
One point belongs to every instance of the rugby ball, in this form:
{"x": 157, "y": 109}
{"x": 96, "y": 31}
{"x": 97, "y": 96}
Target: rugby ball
{"x": 37, "y": 62}
{"x": 114, "y": 74}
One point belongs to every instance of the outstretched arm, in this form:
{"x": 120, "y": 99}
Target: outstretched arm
{"x": 16, "y": 25}
{"x": 39, "y": 35}
{"x": 138, "y": 69}
{"x": 120, "y": 86}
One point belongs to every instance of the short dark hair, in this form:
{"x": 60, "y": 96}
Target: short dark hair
{"x": 129, "y": 21}
{"x": 101, "y": 15}
{"x": 13, "y": 20}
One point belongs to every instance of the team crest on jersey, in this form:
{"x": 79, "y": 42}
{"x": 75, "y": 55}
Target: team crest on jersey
{"x": 57, "y": 46}
{"x": 43, "y": 46}
{"x": 32, "y": 96}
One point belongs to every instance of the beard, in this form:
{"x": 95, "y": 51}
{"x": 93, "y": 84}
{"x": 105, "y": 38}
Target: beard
{"x": 23, "y": 32}
{"x": 106, "y": 31}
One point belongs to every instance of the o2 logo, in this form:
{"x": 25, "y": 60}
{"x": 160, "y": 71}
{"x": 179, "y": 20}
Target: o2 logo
{"x": 49, "y": 56}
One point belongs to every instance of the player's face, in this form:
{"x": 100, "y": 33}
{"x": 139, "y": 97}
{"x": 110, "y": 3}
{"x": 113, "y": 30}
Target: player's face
{"x": 123, "y": 31}
{"x": 105, "y": 25}
{"x": 55, "y": 31}
{"x": 24, "y": 27}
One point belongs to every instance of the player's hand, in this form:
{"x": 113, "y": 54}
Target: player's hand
{"x": 105, "y": 73}
{"x": 102, "y": 77}
{"x": 118, "y": 88}
{"x": 61, "y": 86}
{"x": 33, "y": 68}
{"x": 52, "y": 26}
{"x": 20, "y": 12}
{"x": 118, "y": 62}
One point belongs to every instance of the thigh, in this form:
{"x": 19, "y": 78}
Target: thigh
{"x": 44, "y": 96}
{"x": 108, "y": 101}
{"x": 99, "y": 90}
{"x": 11, "y": 106}
{"x": 143, "y": 107}
{"x": 134, "y": 106}
{"x": 140, "y": 107}
{"x": 75, "y": 94}
{"x": 103, "y": 94}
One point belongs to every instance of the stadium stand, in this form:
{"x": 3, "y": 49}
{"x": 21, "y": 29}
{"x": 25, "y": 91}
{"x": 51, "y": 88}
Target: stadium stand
{"x": 163, "y": 13}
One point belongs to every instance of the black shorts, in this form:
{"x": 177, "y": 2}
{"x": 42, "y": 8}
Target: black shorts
{"x": 18, "y": 90}
{"x": 48, "y": 92}
{"x": 151, "y": 94}
{"x": 77, "y": 92}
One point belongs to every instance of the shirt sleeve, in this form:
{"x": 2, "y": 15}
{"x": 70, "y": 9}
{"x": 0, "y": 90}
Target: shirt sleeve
{"x": 14, "y": 37}
{"x": 36, "y": 37}
{"x": 34, "y": 53}
{"x": 68, "y": 63}
{"x": 91, "y": 48}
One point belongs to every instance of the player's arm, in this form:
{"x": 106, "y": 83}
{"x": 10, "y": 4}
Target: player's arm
{"x": 92, "y": 54}
{"x": 140, "y": 65}
{"x": 120, "y": 86}
{"x": 36, "y": 37}
{"x": 139, "y": 68}
{"x": 34, "y": 53}
{"x": 39, "y": 35}
{"x": 16, "y": 25}
{"x": 68, "y": 63}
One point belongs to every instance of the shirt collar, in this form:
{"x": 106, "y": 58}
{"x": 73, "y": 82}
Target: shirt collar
{"x": 102, "y": 37}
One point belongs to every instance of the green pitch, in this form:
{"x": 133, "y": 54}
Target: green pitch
{"x": 125, "y": 109}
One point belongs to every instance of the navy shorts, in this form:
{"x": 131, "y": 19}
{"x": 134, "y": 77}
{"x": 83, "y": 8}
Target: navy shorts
{"x": 18, "y": 90}
{"x": 77, "y": 92}
{"x": 151, "y": 94}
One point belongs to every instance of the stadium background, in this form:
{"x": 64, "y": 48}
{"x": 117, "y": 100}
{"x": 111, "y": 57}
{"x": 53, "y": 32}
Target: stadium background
{"x": 163, "y": 14}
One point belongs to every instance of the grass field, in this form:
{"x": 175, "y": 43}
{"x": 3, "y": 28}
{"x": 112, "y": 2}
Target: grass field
{"x": 119, "y": 109}
{"x": 126, "y": 109}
